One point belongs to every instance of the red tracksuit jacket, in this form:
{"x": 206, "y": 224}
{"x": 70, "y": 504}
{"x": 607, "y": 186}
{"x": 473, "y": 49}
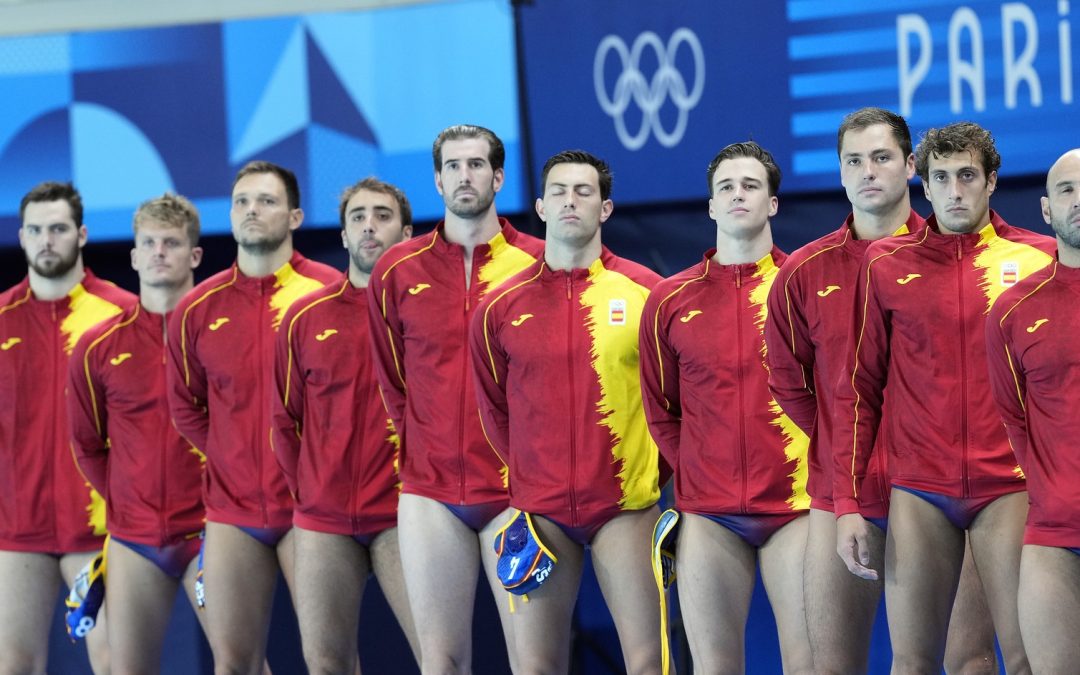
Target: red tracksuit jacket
{"x": 921, "y": 306}
{"x": 420, "y": 329}
{"x": 221, "y": 383}
{"x": 336, "y": 447}
{"x": 1031, "y": 342}
{"x": 46, "y": 506}
{"x": 556, "y": 365}
{"x": 124, "y": 440}
{"x": 810, "y": 313}
{"x": 704, "y": 383}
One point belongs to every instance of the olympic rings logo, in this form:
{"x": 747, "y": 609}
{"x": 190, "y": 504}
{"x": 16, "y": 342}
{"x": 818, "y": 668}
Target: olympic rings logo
{"x": 649, "y": 96}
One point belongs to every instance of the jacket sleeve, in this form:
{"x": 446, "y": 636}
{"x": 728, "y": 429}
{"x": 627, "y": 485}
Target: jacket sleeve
{"x": 186, "y": 382}
{"x": 659, "y": 381}
{"x": 489, "y": 373}
{"x": 859, "y": 393}
{"x": 287, "y": 404}
{"x": 388, "y": 345}
{"x": 790, "y": 354}
{"x": 88, "y": 416}
{"x": 1008, "y": 384}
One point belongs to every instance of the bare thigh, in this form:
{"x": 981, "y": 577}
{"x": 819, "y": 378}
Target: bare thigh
{"x": 716, "y": 573}
{"x": 29, "y": 583}
{"x": 240, "y": 575}
{"x": 840, "y": 607}
{"x": 331, "y": 571}
{"x": 996, "y": 537}
{"x": 969, "y": 649}
{"x": 923, "y": 557}
{"x": 781, "y": 559}
{"x": 441, "y": 561}
{"x": 386, "y": 561}
{"x": 1050, "y": 608}
{"x": 622, "y": 558}
{"x": 542, "y": 625}
{"x": 141, "y": 599}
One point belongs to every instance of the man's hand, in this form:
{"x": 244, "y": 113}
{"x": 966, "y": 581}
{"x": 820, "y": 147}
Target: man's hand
{"x": 852, "y": 545}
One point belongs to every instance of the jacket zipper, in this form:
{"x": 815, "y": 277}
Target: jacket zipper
{"x": 573, "y": 404}
{"x": 739, "y": 387}
{"x": 963, "y": 372}
{"x": 261, "y": 333}
{"x": 164, "y": 442}
{"x": 464, "y": 377}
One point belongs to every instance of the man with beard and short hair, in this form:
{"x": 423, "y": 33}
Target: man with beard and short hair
{"x": 51, "y": 521}
{"x": 808, "y": 324}
{"x": 335, "y": 445}
{"x": 220, "y": 384}
{"x": 127, "y": 447}
{"x": 423, "y": 295}
{"x": 1035, "y": 376}
{"x": 921, "y": 308}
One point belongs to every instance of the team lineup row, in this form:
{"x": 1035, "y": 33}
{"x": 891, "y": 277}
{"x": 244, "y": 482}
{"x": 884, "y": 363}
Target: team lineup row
{"x": 825, "y": 416}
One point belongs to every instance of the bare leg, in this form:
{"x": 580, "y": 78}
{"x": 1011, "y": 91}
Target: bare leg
{"x": 29, "y": 583}
{"x": 716, "y": 571}
{"x": 781, "y": 559}
{"x": 331, "y": 571}
{"x": 542, "y": 625}
{"x": 386, "y": 560}
{"x": 440, "y": 557}
{"x": 840, "y": 607}
{"x": 969, "y": 649}
{"x": 140, "y": 598}
{"x": 240, "y": 575}
{"x": 996, "y": 541}
{"x": 622, "y": 559}
{"x": 1050, "y": 608}
{"x": 97, "y": 640}
{"x": 923, "y": 557}
{"x": 490, "y": 562}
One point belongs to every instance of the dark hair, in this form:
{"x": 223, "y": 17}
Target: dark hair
{"x": 603, "y": 172}
{"x": 868, "y": 117}
{"x": 496, "y": 151}
{"x": 173, "y": 210}
{"x": 954, "y": 138}
{"x": 292, "y": 187}
{"x": 52, "y": 191}
{"x": 753, "y": 151}
{"x": 375, "y": 185}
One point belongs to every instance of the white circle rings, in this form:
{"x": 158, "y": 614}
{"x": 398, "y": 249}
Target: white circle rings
{"x": 649, "y": 97}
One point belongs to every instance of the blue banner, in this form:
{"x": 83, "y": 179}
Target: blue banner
{"x": 335, "y": 97}
{"x": 658, "y": 89}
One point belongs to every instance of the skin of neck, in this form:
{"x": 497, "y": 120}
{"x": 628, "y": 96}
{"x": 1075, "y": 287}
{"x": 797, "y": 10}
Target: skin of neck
{"x": 739, "y": 251}
{"x": 471, "y": 232}
{"x": 562, "y": 256}
{"x": 53, "y": 289}
{"x": 1067, "y": 255}
{"x": 262, "y": 264}
{"x": 163, "y": 299}
{"x": 871, "y": 227}
{"x": 357, "y": 277}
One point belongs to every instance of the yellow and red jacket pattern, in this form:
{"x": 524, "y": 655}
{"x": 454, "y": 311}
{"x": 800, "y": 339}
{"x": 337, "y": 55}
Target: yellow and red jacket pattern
{"x": 46, "y": 505}
{"x": 1031, "y": 340}
{"x": 706, "y": 394}
{"x": 420, "y": 313}
{"x": 556, "y": 367}
{"x": 123, "y": 436}
{"x": 921, "y": 309}
{"x": 811, "y": 307}
{"x": 336, "y": 447}
{"x": 221, "y": 382}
